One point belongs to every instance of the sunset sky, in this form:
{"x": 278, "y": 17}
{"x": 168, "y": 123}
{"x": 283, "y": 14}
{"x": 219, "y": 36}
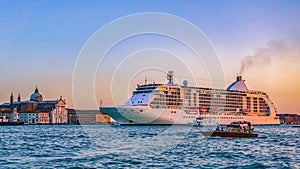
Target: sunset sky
{"x": 40, "y": 42}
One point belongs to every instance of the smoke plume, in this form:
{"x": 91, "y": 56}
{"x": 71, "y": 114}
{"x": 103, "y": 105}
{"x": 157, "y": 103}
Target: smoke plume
{"x": 263, "y": 56}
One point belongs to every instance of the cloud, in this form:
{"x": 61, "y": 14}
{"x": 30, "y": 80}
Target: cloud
{"x": 288, "y": 51}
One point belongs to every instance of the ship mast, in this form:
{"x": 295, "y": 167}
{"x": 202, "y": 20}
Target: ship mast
{"x": 170, "y": 77}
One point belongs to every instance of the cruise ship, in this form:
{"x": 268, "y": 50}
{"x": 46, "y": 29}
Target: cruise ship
{"x": 171, "y": 103}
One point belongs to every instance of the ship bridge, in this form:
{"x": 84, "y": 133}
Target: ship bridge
{"x": 146, "y": 93}
{"x": 142, "y": 95}
{"x": 146, "y": 88}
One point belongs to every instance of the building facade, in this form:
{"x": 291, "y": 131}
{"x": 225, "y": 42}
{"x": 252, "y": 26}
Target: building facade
{"x": 36, "y": 110}
{"x": 87, "y": 117}
{"x": 289, "y": 118}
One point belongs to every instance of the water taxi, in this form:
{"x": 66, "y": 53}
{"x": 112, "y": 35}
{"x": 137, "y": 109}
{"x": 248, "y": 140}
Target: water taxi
{"x": 239, "y": 129}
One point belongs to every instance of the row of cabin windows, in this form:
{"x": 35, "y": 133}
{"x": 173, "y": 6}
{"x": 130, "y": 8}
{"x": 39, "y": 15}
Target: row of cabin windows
{"x": 201, "y": 92}
{"x": 186, "y": 117}
{"x": 215, "y": 95}
{"x": 216, "y": 100}
{"x": 222, "y": 117}
{"x": 227, "y": 99}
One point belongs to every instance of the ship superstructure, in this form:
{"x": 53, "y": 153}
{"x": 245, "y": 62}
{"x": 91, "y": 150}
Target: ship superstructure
{"x": 175, "y": 104}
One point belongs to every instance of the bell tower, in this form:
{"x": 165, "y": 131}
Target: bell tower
{"x": 19, "y": 98}
{"x": 11, "y": 98}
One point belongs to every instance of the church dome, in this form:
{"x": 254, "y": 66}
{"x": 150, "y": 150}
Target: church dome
{"x": 36, "y": 96}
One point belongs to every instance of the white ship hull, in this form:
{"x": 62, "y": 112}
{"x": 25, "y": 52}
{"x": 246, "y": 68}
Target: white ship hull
{"x": 227, "y": 119}
{"x": 140, "y": 115}
{"x": 145, "y": 115}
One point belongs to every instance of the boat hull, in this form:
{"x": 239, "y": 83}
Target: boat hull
{"x": 145, "y": 115}
{"x": 11, "y": 123}
{"x": 228, "y": 134}
{"x": 227, "y": 119}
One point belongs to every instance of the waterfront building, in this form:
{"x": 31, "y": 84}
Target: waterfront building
{"x": 87, "y": 117}
{"x": 289, "y": 118}
{"x": 36, "y": 110}
{"x": 13, "y": 116}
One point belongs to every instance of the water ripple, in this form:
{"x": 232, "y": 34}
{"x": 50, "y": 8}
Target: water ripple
{"x": 97, "y": 146}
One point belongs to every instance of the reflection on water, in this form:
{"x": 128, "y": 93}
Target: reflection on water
{"x": 144, "y": 146}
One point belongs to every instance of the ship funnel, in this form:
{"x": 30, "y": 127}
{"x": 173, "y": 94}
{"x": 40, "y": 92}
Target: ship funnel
{"x": 238, "y": 78}
{"x": 238, "y": 85}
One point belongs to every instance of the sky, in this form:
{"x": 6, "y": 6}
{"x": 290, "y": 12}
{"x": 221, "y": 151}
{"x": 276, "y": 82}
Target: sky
{"x": 40, "y": 42}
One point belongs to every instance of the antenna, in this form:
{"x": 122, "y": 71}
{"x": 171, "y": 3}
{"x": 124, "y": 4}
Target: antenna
{"x": 170, "y": 77}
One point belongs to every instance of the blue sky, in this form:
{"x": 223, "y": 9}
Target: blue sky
{"x": 41, "y": 40}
